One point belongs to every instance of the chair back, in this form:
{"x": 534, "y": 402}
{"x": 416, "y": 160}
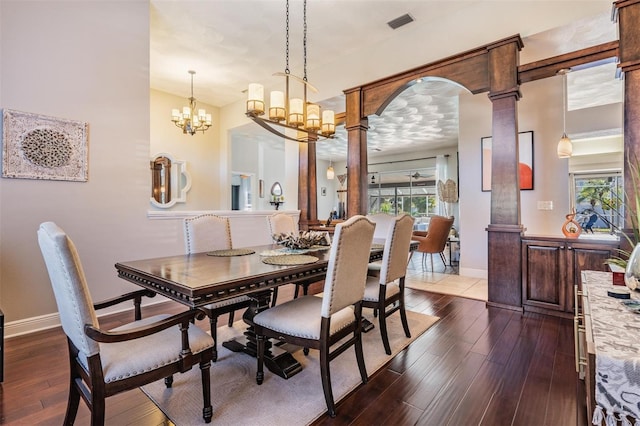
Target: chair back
{"x": 383, "y": 221}
{"x": 207, "y": 232}
{"x": 396, "y": 249}
{"x": 281, "y": 223}
{"x": 437, "y": 234}
{"x": 69, "y": 284}
{"x": 348, "y": 261}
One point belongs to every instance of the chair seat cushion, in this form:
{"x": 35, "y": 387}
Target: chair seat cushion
{"x": 126, "y": 359}
{"x": 301, "y": 318}
{"x": 372, "y": 290}
{"x": 227, "y": 302}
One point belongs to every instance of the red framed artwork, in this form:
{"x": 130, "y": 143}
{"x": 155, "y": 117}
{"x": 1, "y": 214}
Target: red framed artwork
{"x": 525, "y": 154}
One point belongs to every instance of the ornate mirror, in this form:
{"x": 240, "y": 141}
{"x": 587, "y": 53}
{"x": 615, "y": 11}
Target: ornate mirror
{"x": 276, "y": 189}
{"x": 170, "y": 181}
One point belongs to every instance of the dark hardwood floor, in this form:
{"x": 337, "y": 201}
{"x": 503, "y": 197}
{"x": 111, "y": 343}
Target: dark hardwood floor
{"x": 476, "y": 366}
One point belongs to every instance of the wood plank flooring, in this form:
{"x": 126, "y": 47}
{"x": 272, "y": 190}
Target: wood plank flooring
{"x": 476, "y": 366}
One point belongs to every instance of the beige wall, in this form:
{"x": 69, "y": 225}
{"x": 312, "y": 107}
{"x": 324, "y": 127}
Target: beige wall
{"x": 86, "y": 61}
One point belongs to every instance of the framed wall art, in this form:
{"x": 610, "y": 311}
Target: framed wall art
{"x": 37, "y": 146}
{"x": 525, "y": 143}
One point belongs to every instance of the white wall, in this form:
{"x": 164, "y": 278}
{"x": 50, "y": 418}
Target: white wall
{"x": 328, "y": 202}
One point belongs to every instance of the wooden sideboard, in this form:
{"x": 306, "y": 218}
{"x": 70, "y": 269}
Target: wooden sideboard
{"x": 606, "y": 338}
{"x": 551, "y": 267}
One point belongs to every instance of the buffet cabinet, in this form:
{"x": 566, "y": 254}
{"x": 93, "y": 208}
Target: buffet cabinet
{"x": 551, "y": 267}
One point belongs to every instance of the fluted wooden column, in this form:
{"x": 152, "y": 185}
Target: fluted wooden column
{"x": 505, "y": 230}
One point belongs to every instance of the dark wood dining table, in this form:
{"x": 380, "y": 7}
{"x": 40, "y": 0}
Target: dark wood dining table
{"x": 198, "y": 279}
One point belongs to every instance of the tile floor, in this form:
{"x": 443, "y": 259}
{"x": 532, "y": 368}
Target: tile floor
{"x": 443, "y": 280}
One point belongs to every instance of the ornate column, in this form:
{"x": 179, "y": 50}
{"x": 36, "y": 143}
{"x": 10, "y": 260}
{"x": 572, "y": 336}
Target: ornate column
{"x": 357, "y": 169}
{"x": 505, "y": 230}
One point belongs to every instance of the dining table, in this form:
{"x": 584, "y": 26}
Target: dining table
{"x": 197, "y": 279}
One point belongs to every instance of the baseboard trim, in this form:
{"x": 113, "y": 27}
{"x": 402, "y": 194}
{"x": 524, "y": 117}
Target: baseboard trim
{"x": 49, "y": 321}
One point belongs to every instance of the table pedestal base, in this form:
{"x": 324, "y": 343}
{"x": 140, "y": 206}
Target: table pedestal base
{"x": 277, "y": 360}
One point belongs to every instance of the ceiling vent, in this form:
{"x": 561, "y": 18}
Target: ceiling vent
{"x": 400, "y": 21}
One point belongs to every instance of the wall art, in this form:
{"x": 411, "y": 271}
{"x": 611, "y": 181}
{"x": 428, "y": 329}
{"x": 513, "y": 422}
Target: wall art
{"x": 37, "y": 146}
{"x": 525, "y": 154}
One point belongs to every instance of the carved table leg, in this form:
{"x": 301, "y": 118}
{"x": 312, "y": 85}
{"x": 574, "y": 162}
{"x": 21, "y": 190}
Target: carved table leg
{"x": 277, "y": 360}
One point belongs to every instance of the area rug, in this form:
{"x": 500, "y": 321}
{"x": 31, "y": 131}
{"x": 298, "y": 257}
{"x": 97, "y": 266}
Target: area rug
{"x": 237, "y": 399}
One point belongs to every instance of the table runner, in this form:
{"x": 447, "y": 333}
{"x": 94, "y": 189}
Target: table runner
{"x": 616, "y": 333}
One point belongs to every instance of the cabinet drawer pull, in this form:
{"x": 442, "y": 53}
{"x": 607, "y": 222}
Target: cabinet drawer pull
{"x": 576, "y": 342}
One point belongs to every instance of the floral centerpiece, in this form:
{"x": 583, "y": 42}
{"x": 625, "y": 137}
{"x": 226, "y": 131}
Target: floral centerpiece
{"x": 303, "y": 240}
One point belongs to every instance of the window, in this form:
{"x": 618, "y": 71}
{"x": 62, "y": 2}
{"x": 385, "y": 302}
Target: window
{"x": 408, "y": 192}
{"x": 598, "y": 201}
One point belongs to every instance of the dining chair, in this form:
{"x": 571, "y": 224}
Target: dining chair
{"x": 318, "y": 323}
{"x": 387, "y": 289}
{"x": 282, "y": 223}
{"x": 209, "y": 232}
{"x": 383, "y": 222}
{"x": 435, "y": 239}
{"x": 106, "y": 362}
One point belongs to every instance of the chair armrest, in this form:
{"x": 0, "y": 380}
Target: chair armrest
{"x": 135, "y": 333}
{"x": 136, "y": 296}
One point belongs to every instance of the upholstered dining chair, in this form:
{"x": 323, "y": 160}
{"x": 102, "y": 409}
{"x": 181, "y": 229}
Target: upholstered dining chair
{"x": 319, "y": 323}
{"x": 106, "y": 362}
{"x": 387, "y": 289}
{"x": 282, "y": 223}
{"x": 435, "y": 239}
{"x": 209, "y": 232}
{"x": 383, "y": 222}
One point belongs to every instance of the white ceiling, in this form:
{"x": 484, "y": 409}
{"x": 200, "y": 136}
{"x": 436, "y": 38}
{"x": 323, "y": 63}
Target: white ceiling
{"x": 231, "y": 43}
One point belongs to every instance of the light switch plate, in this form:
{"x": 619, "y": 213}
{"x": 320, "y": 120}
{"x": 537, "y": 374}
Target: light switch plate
{"x": 545, "y": 205}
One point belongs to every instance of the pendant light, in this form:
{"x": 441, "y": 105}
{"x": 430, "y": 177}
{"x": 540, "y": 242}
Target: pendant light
{"x": 330, "y": 173}
{"x": 565, "y": 146}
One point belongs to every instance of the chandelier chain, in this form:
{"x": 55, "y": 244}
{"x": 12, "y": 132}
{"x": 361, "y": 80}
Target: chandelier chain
{"x": 286, "y": 69}
{"x": 192, "y": 99}
{"x": 304, "y": 38}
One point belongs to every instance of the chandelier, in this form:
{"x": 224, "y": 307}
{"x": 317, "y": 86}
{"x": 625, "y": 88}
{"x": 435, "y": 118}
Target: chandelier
{"x": 190, "y": 120}
{"x": 291, "y": 113}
